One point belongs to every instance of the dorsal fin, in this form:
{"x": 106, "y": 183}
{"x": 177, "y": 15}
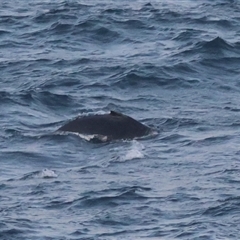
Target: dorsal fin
{"x": 113, "y": 113}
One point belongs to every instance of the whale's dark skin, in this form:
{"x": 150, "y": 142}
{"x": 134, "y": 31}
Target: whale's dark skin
{"x": 113, "y": 126}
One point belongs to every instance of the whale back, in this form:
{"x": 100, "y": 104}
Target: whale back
{"x": 113, "y": 125}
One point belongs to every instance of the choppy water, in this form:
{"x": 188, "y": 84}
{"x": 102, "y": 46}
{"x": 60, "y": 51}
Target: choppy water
{"x": 173, "y": 65}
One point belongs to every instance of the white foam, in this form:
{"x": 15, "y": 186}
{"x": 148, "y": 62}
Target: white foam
{"x": 135, "y": 151}
{"x": 87, "y": 137}
{"x": 47, "y": 173}
{"x": 100, "y": 112}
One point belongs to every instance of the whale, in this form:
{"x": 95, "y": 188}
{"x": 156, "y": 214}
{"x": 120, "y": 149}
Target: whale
{"x": 107, "y": 127}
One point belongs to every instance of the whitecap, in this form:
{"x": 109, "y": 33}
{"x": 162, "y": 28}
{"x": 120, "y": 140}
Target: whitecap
{"x": 48, "y": 173}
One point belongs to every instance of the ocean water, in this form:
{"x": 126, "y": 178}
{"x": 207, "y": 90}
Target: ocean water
{"x": 173, "y": 65}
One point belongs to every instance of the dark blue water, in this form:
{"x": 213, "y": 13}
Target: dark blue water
{"x": 173, "y": 65}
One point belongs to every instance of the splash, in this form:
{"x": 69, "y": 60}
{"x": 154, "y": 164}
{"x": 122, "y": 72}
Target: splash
{"x": 135, "y": 151}
{"x": 47, "y": 173}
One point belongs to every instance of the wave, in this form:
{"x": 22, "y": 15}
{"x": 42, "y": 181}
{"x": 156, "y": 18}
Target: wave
{"x": 224, "y": 207}
{"x": 113, "y": 196}
{"x": 215, "y": 45}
